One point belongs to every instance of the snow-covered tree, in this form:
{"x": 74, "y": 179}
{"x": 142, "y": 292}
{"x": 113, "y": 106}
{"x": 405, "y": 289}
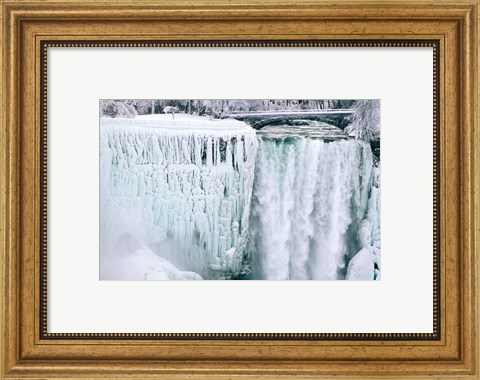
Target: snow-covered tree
{"x": 365, "y": 120}
{"x": 116, "y": 108}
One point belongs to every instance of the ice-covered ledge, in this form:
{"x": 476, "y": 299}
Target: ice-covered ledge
{"x": 181, "y": 122}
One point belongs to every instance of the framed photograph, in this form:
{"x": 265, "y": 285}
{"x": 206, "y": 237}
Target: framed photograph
{"x": 229, "y": 189}
{"x": 215, "y": 190}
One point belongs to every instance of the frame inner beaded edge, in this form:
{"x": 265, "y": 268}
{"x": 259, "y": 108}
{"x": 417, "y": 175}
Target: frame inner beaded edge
{"x": 44, "y": 334}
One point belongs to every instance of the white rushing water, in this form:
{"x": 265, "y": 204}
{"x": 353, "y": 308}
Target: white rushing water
{"x": 179, "y": 188}
{"x": 311, "y": 208}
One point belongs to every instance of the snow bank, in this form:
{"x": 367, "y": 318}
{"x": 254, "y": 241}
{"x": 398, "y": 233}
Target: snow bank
{"x": 143, "y": 265}
{"x": 179, "y": 124}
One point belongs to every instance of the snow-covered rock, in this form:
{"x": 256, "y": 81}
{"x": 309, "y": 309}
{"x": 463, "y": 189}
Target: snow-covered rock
{"x": 362, "y": 266}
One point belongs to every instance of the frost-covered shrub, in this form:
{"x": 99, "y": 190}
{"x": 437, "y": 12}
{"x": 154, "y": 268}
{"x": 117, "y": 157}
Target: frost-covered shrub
{"x": 116, "y": 108}
{"x": 144, "y": 106}
{"x": 365, "y": 120}
{"x": 170, "y": 109}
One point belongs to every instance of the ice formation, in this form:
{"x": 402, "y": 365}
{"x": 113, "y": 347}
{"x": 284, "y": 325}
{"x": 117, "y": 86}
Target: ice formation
{"x": 179, "y": 188}
{"x": 360, "y": 268}
{"x": 311, "y": 207}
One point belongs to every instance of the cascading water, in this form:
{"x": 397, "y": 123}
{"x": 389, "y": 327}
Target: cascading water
{"x": 310, "y": 199}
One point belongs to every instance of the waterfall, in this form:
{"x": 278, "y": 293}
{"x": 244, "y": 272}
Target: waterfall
{"x": 180, "y": 189}
{"x": 310, "y": 198}
{"x": 192, "y": 198}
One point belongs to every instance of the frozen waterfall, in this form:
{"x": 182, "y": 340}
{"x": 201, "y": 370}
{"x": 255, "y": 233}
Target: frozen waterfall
{"x": 191, "y": 198}
{"x": 178, "y": 188}
{"x": 310, "y": 201}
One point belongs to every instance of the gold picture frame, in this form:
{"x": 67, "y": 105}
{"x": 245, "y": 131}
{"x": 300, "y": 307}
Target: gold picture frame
{"x": 29, "y": 28}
